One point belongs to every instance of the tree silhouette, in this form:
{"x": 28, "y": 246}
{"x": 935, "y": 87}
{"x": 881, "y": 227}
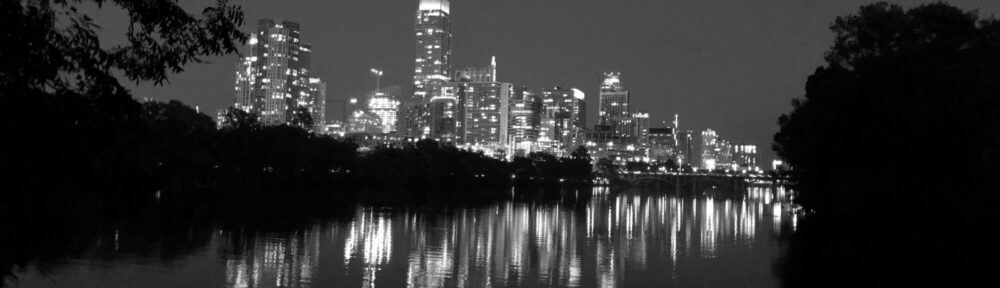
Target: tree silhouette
{"x": 902, "y": 120}
{"x": 238, "y": 119}
{"x": 75, "y": 139}
{"x": 302, "y": 118}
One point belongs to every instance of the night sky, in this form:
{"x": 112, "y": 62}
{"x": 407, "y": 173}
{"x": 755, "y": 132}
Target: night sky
{"x": 729, "y": 65}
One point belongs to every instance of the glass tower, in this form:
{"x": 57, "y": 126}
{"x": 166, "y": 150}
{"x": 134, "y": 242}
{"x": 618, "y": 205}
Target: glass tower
{"x": 614, "y": 102}
{"x": 433, "y": 53}
{"x": 273, "y": 79}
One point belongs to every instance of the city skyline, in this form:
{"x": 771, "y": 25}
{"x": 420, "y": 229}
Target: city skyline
{"x": 762, "y": 71}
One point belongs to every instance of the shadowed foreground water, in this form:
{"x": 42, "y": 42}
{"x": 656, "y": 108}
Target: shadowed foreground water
{"x": 634, "y": 239}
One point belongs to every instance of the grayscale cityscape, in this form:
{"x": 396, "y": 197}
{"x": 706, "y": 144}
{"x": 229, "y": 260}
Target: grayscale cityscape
{"x": 489, "y": 143}
{"x": 472, "y": 107}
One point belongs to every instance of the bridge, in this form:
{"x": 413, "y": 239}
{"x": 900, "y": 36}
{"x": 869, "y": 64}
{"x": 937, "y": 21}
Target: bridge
{"x": 694, "y": 181}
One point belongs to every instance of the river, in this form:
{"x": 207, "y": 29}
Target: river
{"x": 633, "y": 238}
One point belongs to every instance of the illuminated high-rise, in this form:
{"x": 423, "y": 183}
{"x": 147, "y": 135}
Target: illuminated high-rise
{"x": 446, "y": 113}
{"x": 745, "y": 156}
{"x": 614, "y": 102}
{"x": 525, "y": 118}
{"x": 433, "y": 49}
{"x": 273, "y": 80}
{"x": 317, "y": 103}
{"x": 246, "y": 79}
{"x": 708, "y": 155}
{"x": 487, "y": 112}
{"x": 384, "y": 104}
{"x": 716, "y": 153}
{"x": 567, "y": 110}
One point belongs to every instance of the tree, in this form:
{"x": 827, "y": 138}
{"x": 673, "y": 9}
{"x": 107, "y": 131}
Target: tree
{"x": 302, "y": 118}
{"x": 671, "y": 164}
{"x": 891, "y": 78}
{"x": 607, "y": 168}
{"x": 236, "y": 118}
{"x": 898, "y": 86}
{"x": 581, "y": 153}
{"x": 66, "y": 111}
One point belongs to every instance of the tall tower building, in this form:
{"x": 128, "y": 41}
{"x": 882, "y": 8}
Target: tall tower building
{"x": 433, "y": 53}
{"x": 709, "y": 149}
{"x": 614, "y": 102}
{"x": 246, "y": 78}
{"x": 317, "y": 103}
{"x": 567, "y": 109}
{"x": 525, "y": 117}
{"x": 487, "y": 112}
{"x": 447, "y": 112}
{"x": 273, "y": 80}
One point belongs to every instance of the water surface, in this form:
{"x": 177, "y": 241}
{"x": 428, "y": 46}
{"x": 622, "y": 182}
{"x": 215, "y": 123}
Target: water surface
{"x": 640, "y": 238}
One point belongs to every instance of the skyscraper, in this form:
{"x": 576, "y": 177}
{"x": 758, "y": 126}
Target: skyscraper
{"x": 317, "y": 103}
{"x": 246, "y": 79}
{"x": 614, "y": 102}
{"x": 446, "y": 113}
{"x": 382, "y": 102}
{"x": 709, "y": 155}
{"x": 745, "y": 156}
{"x": 686, "y": 148}
{"x": 636, "y": 127}
{"x": 567, "y": 109}
{"x": 273, "y": 80}
{"x": 433, "y": 53}
{"x": 525, "y": 118}
{"x": 662, "y": 144}
{"x": 487, "y": 108}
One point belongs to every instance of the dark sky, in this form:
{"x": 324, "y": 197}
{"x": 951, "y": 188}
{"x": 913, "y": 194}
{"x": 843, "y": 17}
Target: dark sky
{"x": 729, "y": 65}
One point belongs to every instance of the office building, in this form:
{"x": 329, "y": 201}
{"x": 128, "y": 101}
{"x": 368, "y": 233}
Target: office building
{"x": 433, "y": 49}
{"x": 613, "y": 103}
{"x": 745, "y": 156}
{"x": 486, "y": 116}
{"x": 686, "y": 149}
{"x": 273, "y": 80}
{"x": 383, "y": 103}
{"x": 525, "y": 119}
{"x": 362, "y": 121}
{"x": 316, "y": 103}
{"x": 567, "y": 111}
{"x": 662, "y": 144}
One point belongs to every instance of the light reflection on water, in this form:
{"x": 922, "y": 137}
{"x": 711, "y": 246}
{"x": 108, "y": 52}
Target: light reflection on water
{"x": 613, "y": 240}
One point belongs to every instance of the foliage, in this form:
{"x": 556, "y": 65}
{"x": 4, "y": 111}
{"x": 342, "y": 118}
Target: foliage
{"x": 902, "y": 121}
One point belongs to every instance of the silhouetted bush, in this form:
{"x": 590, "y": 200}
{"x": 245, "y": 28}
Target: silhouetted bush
{"x": 895, "y": 150}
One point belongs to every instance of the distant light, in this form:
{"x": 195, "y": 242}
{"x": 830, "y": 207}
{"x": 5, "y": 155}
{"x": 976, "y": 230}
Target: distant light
{"x": 354, "y": 100}
{"x": 429, "y": 5}
{"x": 578, "y": 94}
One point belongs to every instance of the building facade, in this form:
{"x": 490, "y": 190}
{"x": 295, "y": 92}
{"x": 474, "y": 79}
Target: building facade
{"x": 662, "y": 144}
{"x": 745, "y": 156}
{"x": 273, "y": 80}
{"x": 362, "y": 121}
{"x": 566, "y": 110}
{"x": 487, "y": 112}
{"x": 433, "y": 49}
{"x": 525, "y": 119}
{"x": 614, "y": 103}
{"x": 317, "y": 103}
{"x": 383, "y": 103}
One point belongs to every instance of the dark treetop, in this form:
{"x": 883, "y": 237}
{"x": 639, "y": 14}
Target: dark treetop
{"x": 898, "y": 136}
